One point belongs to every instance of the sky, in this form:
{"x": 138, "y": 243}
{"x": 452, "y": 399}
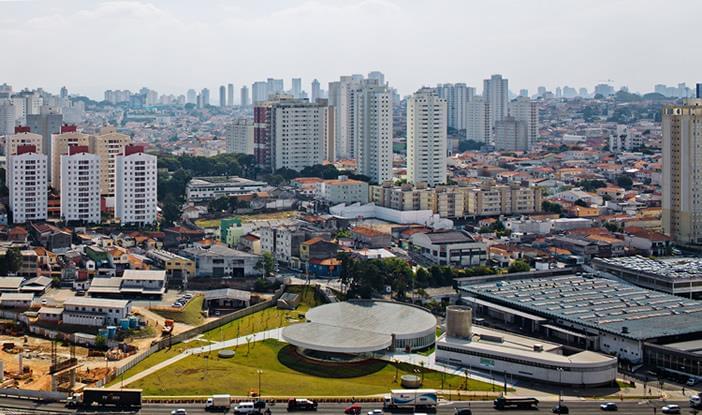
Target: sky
{"x": 173, "y": 45}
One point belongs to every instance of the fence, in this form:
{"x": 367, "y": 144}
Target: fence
{"x": 195, "y": 331}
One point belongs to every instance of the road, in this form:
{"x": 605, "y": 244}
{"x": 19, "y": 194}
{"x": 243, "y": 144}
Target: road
{"x": 16, "y": 406}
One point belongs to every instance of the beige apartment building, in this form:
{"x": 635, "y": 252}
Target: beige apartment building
{"x": 682, "y": 176}
{"x": 108, "y": 144}
{"x": 459, "y": 201}
{"x": 59, "y": 147}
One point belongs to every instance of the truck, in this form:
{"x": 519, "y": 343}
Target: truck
{"x": 519, "y": 402}
{"x": 218, "y": 403}
{"x": 296, "y": 404}
{"x": 123, "y": 399}
{"x": 411, "y": 398}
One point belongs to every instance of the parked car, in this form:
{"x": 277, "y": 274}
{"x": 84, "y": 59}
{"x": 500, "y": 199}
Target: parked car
{"x": 179, "y": 411}
{"x": 609, "y": 406}
{"x": 376, "y": 412}
{"x": 560, "y": 409}
{"x": 354, "y": 409}
{"x": 245, "y": 408}
{"x": 463, "y": 411}
{"x": 671, "y": 409}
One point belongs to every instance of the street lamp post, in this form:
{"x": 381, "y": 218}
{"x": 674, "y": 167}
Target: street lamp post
{"x": 560, "y": 386}
{"x": 259, "y": 372}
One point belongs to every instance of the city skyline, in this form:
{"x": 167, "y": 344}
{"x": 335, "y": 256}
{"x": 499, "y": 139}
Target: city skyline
{"x": 551, "y": 51}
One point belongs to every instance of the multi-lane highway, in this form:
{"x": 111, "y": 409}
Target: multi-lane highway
{"x": 577, "y": 407}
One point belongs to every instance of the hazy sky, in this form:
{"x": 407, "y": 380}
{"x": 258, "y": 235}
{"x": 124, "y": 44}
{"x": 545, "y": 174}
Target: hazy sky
{"x": 170, "y": 46}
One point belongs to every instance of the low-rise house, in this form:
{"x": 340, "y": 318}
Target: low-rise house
{"x": 220, "y": 261}
{"x": 37, "y": 285}
{"x": 95, "y": 312}
{"x": 250, "y": 243}
{"x": 147, "y": 283}
{"x": 50, "y": 314}
{"x": 226, "y": 299}
{"x": 17, "y": 300}
{"x": 180, "y": 236}
{"x": 50, "y": 237}
{"x": 178, "y": 268}
{"x": 365, "y": 236}
{"x": 451, "y": 247}
{"x": 10, "y": 284}
{"x": 647, "y": 242}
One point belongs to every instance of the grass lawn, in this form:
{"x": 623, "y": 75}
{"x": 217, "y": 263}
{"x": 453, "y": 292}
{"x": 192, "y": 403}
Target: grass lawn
{"x": 284, "y": 374}
{"x": 267, "y": 319}
{"x": 152, "y": 360}
{"x": 190, "y": 314}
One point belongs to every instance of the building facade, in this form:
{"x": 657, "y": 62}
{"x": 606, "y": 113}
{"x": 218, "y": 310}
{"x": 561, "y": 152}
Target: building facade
{"x": 60, "y": 144}
{"x": 28, "y": 184}
{"x": 80, "y": 185}
{"x": 107, "y": 145}
{"x": 135, "y": 187}
{"x": 426, "y": 137}
{"x": 240, "y": 136}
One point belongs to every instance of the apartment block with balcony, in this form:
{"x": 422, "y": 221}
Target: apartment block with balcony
{"x": 80, "y": 185}
{"x": 28, "y": 184}
{"x": 135, "y": 187}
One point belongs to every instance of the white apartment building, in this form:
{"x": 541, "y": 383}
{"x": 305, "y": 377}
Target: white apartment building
{"x": 299, "y": 133}
{"x": 371, "y": 130}
{"x": 525, "y": 109}
{"x": 457, "y": 97}
{"x": 135, "y": 186}
{"x": 59, "y": 146}
{"x": 682, "y": 175}
{"x": 478, "y": 120}
{"x": 108, "y": 145}
{"x": 340, "y": 97}
{"x": 27, "y": 181}
{"x": 80, "y": 185}
{"x": 240, "y": 136}
{"x": 624, "y": 139}
{"x": 344, "y": 190}
{"x": 495, "y": 92}
{"x": 511, "y": 135}
{"x": 426, "y": 137}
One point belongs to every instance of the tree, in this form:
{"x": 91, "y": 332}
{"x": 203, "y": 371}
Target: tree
{"x": 624, "y": 181}
{"x": 266, "y": 264}
{"x": 518, "y": 266}
{"x": 170, "y": 211}
{"x": 551, "y": 207}
{"x": 343, "y": 233}
{"x": 11, "y": 262}
{"x": 592, "y": 185}
{"x": 469, "y": 145}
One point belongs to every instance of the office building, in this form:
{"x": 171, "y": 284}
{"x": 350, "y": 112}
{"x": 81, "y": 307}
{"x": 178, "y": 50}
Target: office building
{"x": 28, "y": 184}
{"x": 240, "y": 136}
{"x": 204, "y": 98}
{"x": 135, "y": 186}
{"x": 80, "y": 185}
{"x": 511, "y": 135}
{"x": 274, "y": 87}
{"x": 45, "y": 123}
{"x": 377, "y": 76}
{"x": 315, "y": 91}
{"x": 222, "y": 96}
{"x": 495, "y": 92}
{"x": 296, "y": 88}
{"x": 478, "y": 120}
{"x": 107, "y": 145}
{"x": 259, "y": 92}
{"x": 371, "y": 129}
{"x": 244, "y": 96}
{"x": 191, "y": 96}
{"x": 426, "y": 137}
{"x": 682, "y": 177}
{"x": 524, "y": 109}
{"x": 230, "y": 95}
{"x": 8, "y": 113}
{"x": 60, "y": 143}
{"x": 457, "y": 97}
{"x": 289, "y": 133}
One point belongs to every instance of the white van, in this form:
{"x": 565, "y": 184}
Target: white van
{"x": 244, "y": 408}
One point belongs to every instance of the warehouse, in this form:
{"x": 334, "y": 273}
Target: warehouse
{"x": 506, "y": 354}
{"x": 680, "y": 276}
{"x": 363, "y": 327}
{"x": 591, "y": 313}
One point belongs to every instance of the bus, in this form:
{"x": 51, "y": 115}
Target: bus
{"x": 519, "y": 402}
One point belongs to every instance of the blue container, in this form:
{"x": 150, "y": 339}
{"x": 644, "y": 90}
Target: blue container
{"x": 111, "y": 331}
{"x": 104, "y": 333}
{"x": 124, "y": 324}
{"x": 133, "y": 322}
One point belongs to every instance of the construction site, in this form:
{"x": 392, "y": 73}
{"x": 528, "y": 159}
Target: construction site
{"x": 36, "y": 363}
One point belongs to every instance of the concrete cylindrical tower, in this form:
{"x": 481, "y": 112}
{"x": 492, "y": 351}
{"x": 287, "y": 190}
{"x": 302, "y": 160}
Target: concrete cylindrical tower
{"x": 459, "y": 321}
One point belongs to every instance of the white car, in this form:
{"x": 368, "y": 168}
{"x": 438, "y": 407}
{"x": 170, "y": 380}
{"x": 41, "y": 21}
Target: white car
{"x": 376, "y": 412}
{"x": 671, "y": 409}
{"x": 179, "y": 411}
{"x": 245, "y": 408}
